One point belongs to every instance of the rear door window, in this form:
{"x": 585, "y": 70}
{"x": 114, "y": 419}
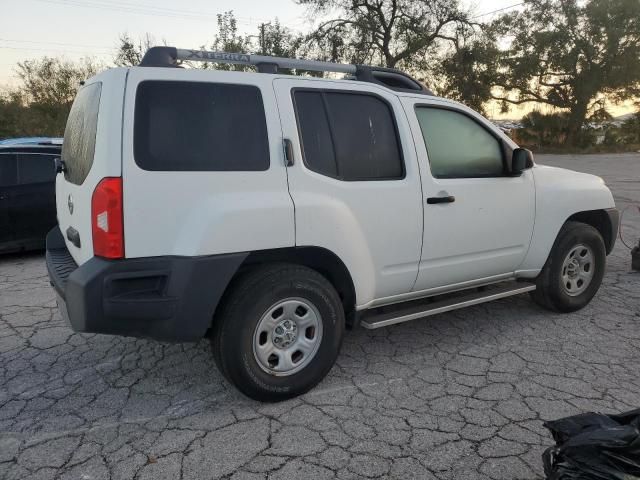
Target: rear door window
{"x": 196, "y": 126}
{"x": 348, "y": 136}
{"x": 313, "y": 123}
{"x": 36, "y": 168}
{"x": 79, "y": 143}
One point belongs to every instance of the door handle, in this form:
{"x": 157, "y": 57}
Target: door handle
{"x": 447, "y": 199}
{"x": 288, "y": 152}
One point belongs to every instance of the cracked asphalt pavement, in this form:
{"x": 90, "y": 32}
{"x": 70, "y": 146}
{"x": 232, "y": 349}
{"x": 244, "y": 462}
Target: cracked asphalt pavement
{"x": 457, "y": 396}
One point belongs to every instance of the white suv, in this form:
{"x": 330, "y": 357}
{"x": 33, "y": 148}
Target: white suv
{"x": 270, "y": 211}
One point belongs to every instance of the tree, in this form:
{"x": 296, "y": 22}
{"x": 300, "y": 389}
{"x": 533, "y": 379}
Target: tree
{"x": 130, "y": 53}
{"x": 42, "y": 103}
{"x": 630, "y": 129}
{"x": 467, "y": 68}
{"x": 392, "y": 33}
{"x": 277, "y": 40}
{"x": 17, "y": 119}
{"x": 543, "y": 129}
{"x": 569, "y": 54}
{"x": 228, "y": 39}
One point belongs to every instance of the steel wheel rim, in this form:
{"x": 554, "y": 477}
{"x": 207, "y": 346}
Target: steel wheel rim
{"x": 287, "y": 336}
{"x": 578, "y": 269}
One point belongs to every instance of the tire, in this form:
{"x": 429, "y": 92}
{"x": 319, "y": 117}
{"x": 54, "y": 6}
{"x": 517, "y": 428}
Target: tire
{"x": 310, "y": 317}
{"x": 573, "y": 272}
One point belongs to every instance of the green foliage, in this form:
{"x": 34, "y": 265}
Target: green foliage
{"x": 630, "y": 130}
{"x": 41, "y": 104}
{"x": 227, "y": 39}
{"x": 611, "y": 137}
{"x": 568, "y": 54}
{"x": 279, "y": 41}
{"x": 466, "y": 70}
{"x": 130, "y": 53}
{"x": 16, "y": 119}
{"x": 544, "y": 129}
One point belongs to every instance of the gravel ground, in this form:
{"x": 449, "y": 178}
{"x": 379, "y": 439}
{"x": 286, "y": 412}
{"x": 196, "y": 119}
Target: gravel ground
{"x": 458, "y": 396}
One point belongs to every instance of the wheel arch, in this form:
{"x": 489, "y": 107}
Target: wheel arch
{"x": 602, "y": 221}
{"x": 319, "y": 259}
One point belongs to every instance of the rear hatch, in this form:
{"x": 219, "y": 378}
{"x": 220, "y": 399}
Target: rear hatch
{"x": 91, "y": 151}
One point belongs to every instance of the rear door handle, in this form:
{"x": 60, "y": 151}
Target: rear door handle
{"x": 288, "y": 152}
{"x": 447, "y": 199}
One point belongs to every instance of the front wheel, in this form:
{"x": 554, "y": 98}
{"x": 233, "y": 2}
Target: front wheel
{"x": 278, "y": 332}
{"x": 574, "y": 270}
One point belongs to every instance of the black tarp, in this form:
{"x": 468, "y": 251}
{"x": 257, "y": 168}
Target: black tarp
{"x": 594, "y": 446}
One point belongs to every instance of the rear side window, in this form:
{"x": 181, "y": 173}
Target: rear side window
{"x": 8, "y": 175}
{"x": 349, "y": 136}
{"x": 36, "y": 168}
{"x": 79, "y": 143}
{"x": 192, "y": 126}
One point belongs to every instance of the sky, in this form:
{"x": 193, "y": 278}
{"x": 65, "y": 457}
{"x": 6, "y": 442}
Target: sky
{"x": 73, "y": 29}
{"x": 78, "y": 28}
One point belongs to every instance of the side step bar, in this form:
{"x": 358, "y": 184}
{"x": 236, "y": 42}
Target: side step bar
{"x": 418, "y": 308}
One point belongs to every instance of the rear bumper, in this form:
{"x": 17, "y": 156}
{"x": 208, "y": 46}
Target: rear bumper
{"x": 166, "y": 298}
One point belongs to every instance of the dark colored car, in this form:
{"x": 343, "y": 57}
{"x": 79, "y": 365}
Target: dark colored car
{"x": 27, "y": 195}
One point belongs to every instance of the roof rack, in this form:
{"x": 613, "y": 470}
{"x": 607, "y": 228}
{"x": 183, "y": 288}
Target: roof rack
{"x": 389, "y": 77}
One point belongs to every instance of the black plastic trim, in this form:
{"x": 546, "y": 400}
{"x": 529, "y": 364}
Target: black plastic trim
{"x": 367, "y": 73}
{"x": 167, "y": 298}
{"x": 267, "y": 68}
{"x": 73, "y": 236}
{"x": 288, "y": 152}
{"x": 60, "y": 263}
{"x": 614, "y": 221}
{"x": 31, "y": 148}
{"x": 160, "y": 57}
{"x": 436, "y": 200}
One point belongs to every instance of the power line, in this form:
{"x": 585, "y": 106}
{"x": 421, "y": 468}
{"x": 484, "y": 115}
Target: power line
{"x": 499, "y": 10}
{"x": 78, "y": 52}
{"x": 12, "y": 40}
{"x": 129, "y": 9}
{"x": 255, "y": 20}
{"x": 148, "y": 10}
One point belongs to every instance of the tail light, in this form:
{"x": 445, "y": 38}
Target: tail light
{"x": 106, "y": 219}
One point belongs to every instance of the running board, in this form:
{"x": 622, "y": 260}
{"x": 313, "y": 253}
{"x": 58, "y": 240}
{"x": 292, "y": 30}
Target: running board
{"x": 445, "y": 303}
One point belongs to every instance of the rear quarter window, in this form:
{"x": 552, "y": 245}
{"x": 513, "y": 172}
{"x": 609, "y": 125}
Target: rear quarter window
{"x": 197, "y": 126}
{"x": 79, "y": 144}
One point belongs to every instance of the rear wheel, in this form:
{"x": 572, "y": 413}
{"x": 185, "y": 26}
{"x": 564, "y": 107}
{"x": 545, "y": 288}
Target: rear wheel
{"x": 574, "y": 271}
{"x": 278, "y": 332}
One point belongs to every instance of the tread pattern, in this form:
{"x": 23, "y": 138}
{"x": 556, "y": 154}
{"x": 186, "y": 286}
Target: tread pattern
{"x": 242, "y": 288}
{"x": 543, "y": 294}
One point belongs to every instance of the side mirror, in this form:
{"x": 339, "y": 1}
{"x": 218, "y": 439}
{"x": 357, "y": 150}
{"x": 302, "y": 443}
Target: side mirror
{"x": 521, "y": 160}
